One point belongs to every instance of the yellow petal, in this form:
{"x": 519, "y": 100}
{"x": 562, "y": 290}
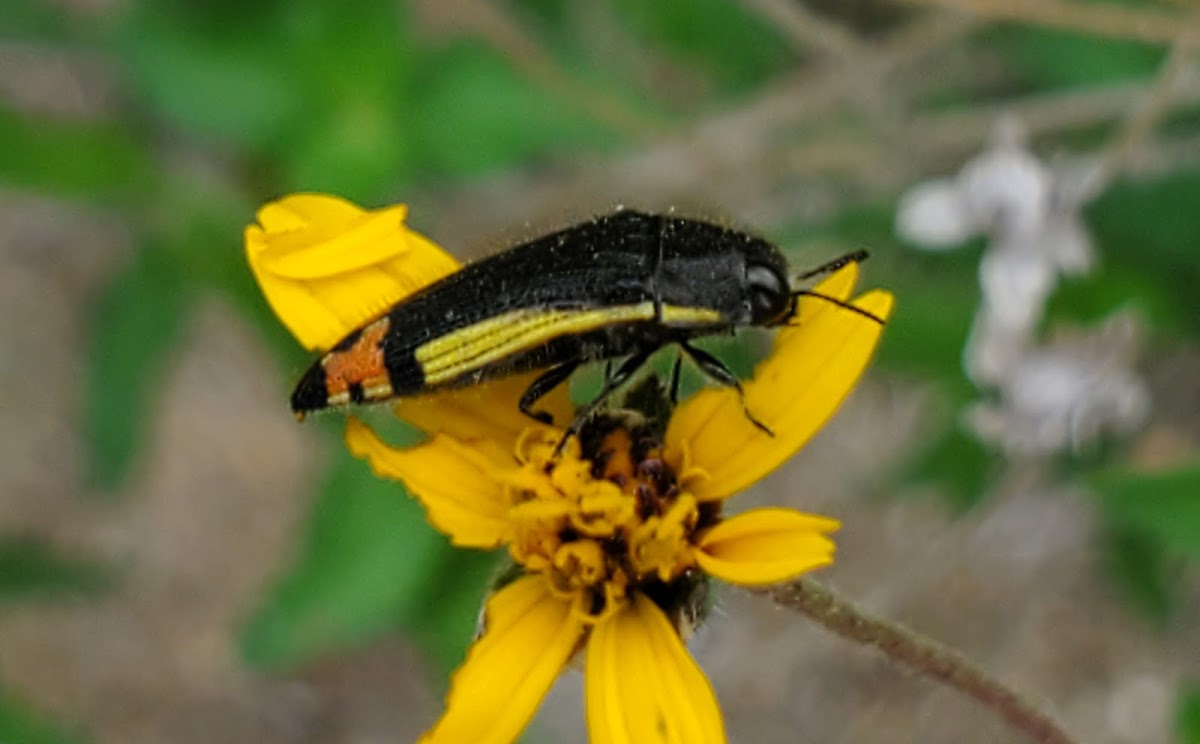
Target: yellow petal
{"x": 642, "y": 687}
{"x": 453, "y": 481}
{"x": 813, "y": 366}
{"x": 529, "y": 636}
{"x": 765, "y": 546}
{"x": 299, "y": 211}
{"x": 326, "y": 266}
{"x": 314, "y": 236}
{"x": 484, "y": 415}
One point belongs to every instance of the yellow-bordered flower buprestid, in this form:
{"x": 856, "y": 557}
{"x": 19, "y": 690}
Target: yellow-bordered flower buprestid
{"x": 608, "y": 531}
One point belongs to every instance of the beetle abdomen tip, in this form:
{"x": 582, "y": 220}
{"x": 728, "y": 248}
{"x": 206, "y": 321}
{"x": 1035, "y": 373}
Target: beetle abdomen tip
{"x": 311, "y": 392}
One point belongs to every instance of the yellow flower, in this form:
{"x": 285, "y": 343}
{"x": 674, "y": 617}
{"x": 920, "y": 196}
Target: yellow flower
{"x": 327, "y": 266}
{"x": 613, "y": 534}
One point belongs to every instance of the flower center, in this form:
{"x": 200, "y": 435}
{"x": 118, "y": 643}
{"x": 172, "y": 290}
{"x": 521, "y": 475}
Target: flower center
{"x": 604, "y": 517}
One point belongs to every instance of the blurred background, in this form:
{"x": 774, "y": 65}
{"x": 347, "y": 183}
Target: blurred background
{"x": 1018, "y": 476}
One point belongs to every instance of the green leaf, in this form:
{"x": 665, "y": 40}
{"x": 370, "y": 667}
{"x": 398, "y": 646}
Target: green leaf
{"x": 1150, "y": 219}
{"x": 29, "y": 567}
{"x": 369, "y": 562}
{"x": 33, "y": 20}
{"x": 135, "y": 325}
{"x": 1048, "y": 58}
{"x": 98, "y": 160}
{"x": 445, "y": 618}
{"x": 355, "y": 149}
{"x": 476, "y": 114}
{"x": 735, "y": 48}
{"x": 229, "y": 87}
{"x": 545, "y": 15}
{"x": 1166, "y": 505}
{"x": 199, "y": 222}
{"x": 958, "y": 464}
{"x": 344, "y": 55}
{"x": 1143, "y": 571}
{"x": 1090, "y": 300}
{"x": 355, "y": 138}
{"x": 1187, "y": 715}
{"x": 929, "y": 328}
{"x": 20, "y": 725}
{"x": 1146, "y": 233}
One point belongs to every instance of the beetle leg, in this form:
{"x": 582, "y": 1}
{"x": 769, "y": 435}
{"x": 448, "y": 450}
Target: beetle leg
{"x": 618, "y": 378}
{"x": 831, "y": 266}
{"x": 832, "y": 300}
{"x": 718, "y": 372}
{"x": 546, "y": 382}
{"x": 673, "y": 390}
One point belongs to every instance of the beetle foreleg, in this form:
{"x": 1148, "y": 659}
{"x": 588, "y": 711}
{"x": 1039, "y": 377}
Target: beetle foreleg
{"x": 673, "y": 389}
{"x": 718, "y": 372}
{"x": 546, "y": 382}
{"x": 618, "y": 378}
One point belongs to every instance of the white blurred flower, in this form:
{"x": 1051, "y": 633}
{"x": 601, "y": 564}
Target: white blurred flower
{"x": 1050, "y": 397}
{"x": 1007, "y": 190}
{"x": 1067, "y": 393}
{"x": 932, "y": 215}
{"x": 1029, "y": 215}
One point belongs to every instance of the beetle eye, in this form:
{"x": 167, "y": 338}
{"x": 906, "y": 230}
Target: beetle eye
{"x": 769, "y": 294}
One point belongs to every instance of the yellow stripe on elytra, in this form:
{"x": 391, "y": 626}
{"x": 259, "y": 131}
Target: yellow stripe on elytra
{"x": 493, "y": 339}
{"x": 488, "y": 341}
{"x": 675, "y": 315}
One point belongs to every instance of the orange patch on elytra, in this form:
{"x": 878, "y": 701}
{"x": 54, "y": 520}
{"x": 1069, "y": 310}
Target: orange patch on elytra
{"x": 361, "y": 362}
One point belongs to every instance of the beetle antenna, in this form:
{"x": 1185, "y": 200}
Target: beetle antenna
{"x": 831, "y": 266}
{"x": 833, "y": 300}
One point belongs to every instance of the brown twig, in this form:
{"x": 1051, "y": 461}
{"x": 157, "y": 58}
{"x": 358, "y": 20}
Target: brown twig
{"x": 725, "y": 158}
{"x": 1097, "y": 19}
{"x": 807, "y": 29}
{"x": 864, "y": 82}
{"x": 1044, "y": 113}
{"x": 788, "y": 150}
{"x": 492, "y": 24}
{"x": 1154, "y": 105}
{"x": 920, "y": 654}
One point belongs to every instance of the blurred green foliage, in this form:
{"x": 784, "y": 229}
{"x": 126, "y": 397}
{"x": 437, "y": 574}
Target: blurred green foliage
{"x": 306, "y": 95}
{"x": 19, "y": 725}
{"x": 96, "y": 161}
{"x": 722, "y": 41}
{"x": 1163, "y": 505}
{"x": 1187, "y": 715}
{"x": 369, "y": 564}
{"x": 31, "y": 569}
{"x": 1047, "y": 59}
{"x": 128, "y": 348}
{"x": 1143, "y": 571}
{"x": 1147, "y": 234}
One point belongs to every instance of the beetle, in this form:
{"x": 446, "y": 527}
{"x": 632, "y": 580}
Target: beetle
{"x": 619, "y": 286}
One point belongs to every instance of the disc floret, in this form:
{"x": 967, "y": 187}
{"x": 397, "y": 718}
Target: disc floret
{"x": 604, "y": 517}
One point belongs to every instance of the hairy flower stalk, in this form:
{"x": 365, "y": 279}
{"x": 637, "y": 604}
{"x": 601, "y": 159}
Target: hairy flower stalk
{"x": 923, "y": 655}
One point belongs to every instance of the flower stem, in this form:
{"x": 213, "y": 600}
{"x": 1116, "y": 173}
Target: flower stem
{"x": 919, "y": 653}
